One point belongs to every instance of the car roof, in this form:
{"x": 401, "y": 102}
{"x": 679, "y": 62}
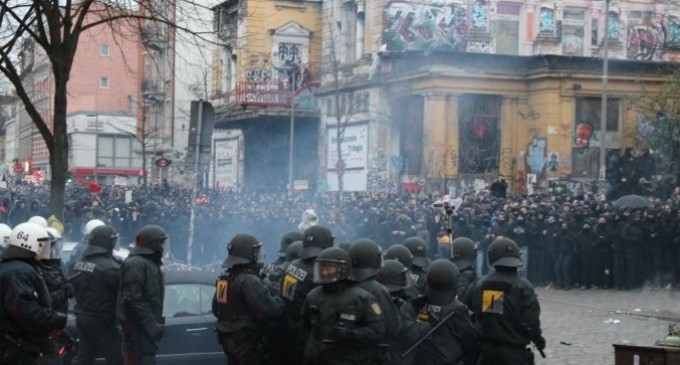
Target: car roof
{"x": 190, "y": 277}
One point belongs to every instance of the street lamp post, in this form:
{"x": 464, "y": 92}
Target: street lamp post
{"x": 603, "y": 111}
{"x": 291, "y": 149}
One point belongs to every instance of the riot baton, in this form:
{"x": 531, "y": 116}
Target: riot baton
{"x": 428, "y": 334}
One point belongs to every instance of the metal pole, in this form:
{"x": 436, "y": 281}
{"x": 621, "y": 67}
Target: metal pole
{"x": 603, "y": 112}
{"x": 291, "y": 152}
{"x": 196, "y": 175}
{"x": 96, "y": 146}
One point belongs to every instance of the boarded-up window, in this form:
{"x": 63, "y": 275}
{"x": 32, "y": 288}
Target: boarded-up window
{"x": 479, "y": 118}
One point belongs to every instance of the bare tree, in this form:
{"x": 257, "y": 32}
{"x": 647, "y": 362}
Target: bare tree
{"x": 55, "y": 27}
{"x": 659, "y": 124}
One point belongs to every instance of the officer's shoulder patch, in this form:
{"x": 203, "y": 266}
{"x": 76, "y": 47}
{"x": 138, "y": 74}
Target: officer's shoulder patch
{"x": 221, "y": 291}
{"x": 376, "y": 309}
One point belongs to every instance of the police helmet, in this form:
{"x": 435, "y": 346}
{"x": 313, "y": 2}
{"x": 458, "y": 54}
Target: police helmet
{"x": 504, "y": 252}
{"x": 419, "y": 250}
{"x": 150, "y": 239}
{"x": 393, "y": 275}
{"x": 345, "y": 245}
{"x": 400, "y": 253}
{"x": 54, "y": 250}
{"x": 315, "y": 239}
{"x": 366, "y": 259}
{"x": 293, "y": 251}
{"x": 287, "y": 239}
{"x": 26, "y": 240}
{"x": 442, "y": 282}
{"x": 331, "y": 266}
{"x": 91, "y": 224}
{"x": 244, "y": 249}
{"x": 463, "y": 253}
{"x": 102, "y": 239}
{"x": 42, "y": 222}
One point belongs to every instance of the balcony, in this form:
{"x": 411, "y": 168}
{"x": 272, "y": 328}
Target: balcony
{"x": 153, "y": 89}
{"x": 154, "y": 37}
{"x": 267, "y": 88}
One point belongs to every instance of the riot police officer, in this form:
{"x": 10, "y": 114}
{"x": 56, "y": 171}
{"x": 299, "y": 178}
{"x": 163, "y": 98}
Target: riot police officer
{"x": 456, "y": 338}
{"x": 272, "y": 272}
{"x": 243, "y": 304}
{"x": 421, "y": 261}
{"x": 402, "y": 254}
{"x": 140, "y": 301}
{"x": 80, "y": 247}
{"x": 464, "y": 255}
{"x": 506, "y": 309}
{"x": 27, "y": 317}
{"x": 295, "y": 284}
{"x": 394, "y": 276}
{"x": 366, "y": 262}
{"x": 345, "y": 323}
{"x": 58, "y": 287}
{"x": 96, "y": 289}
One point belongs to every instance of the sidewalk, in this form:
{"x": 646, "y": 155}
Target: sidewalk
{"x": 580, "y": 326}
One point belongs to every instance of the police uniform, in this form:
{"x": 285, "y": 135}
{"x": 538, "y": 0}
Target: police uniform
{"x": 296, "y": 283}
{"x": 26, "y": 315}
{"x": 345, "y": 323}
{"x": 96, "y": 290}
{"x": 243, "y": 304}
{"x": 506, "y": 310}
{"x": 140, "y": 302}
{"x": 456, "y": 337}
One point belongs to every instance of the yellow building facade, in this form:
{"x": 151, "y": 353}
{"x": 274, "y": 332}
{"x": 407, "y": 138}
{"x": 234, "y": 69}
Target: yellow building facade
{"x": 265, "y": 72}
{"x": 460, "y": 93}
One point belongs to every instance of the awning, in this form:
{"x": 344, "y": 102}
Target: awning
{"x": 108, "y": 171}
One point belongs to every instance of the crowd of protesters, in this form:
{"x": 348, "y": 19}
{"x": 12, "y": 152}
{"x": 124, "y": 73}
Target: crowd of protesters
{"x": 569, "y": 238}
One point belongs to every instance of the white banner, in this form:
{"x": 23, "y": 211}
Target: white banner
{"x": 226, "y": 163}
{"x": 354, "y": 147}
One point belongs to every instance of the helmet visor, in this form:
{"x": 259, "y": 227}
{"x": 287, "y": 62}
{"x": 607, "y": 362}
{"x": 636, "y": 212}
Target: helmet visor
{"x": 259, "y": 253}
{"x": 328, "y": 272}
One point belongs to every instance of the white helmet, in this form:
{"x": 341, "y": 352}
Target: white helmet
{"x": 54, "y": 251}
{"x": 31, "y": 237}
{"x": 5, "y": 232}
{"x": 42, "y": 222}
{"x": 91, "y": 224}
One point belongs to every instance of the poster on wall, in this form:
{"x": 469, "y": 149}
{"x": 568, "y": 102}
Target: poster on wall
{"x": 226, "y": 163}
{"x": 354, "y": 147}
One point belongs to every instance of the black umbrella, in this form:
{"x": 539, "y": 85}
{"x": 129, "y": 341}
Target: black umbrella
{"x": 632, "y": 201}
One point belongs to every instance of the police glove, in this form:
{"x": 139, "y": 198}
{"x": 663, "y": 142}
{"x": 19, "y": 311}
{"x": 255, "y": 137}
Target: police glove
{"x": 540, "y": 343}
{"x": 59, "y": 320}
{"x": 342, "y": 334}
{"x": 157, "y": 335}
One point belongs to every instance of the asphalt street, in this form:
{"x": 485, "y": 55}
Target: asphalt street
{"x": 581, "y": 326}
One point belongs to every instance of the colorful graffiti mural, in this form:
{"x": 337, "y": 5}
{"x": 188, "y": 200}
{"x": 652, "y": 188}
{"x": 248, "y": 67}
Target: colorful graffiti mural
{"x": 412, "y": 25}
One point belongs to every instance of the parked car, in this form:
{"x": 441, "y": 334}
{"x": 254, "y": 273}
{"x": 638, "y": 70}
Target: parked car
{"x": 190, "y": 336}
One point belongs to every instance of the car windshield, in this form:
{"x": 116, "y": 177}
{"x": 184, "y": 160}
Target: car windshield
{"x": 183, "y": 300}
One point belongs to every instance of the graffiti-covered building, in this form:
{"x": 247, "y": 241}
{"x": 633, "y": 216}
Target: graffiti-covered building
{"x": 265, "y": 73}
{"x": 453, "y": 94}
